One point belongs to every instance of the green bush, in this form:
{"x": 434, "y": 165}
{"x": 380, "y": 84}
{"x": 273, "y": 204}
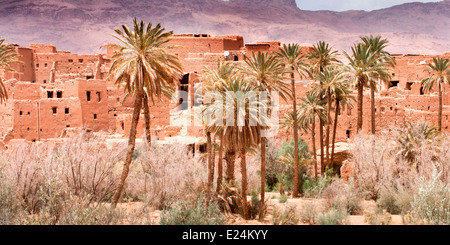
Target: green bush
{"x": 283, "y": 198}
{"x": 314, "y": 188}
{"x": 201, "y": 213}
{"x": 280, "y": 165}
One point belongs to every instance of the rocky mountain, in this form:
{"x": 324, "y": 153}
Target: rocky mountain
{"x": 83, "y": 25}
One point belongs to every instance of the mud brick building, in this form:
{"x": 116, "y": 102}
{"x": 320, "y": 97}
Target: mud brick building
{"x": 58, "y": 91}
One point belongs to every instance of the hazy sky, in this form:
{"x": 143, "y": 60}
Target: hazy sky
{"x": 342, "y": 5}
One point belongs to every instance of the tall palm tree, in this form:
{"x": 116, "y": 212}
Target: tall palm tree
{"x": 323, "y": 56}
{"x": 233, "y": 113}
{"x": 213, "y": 79}
{"x": 363, "y": 69}
{"x": 439, "y": 71}
{"x": 266, "y": 73}
{"x": 291, "y": 56}
{"x": 343, "y": 100}
{"x": 331, "y": 83}
{"x": 377, "y": 45}
{"x": 311, "y": 107}
{"x": 143, "y": 66}
{"x": 8, "y": 56}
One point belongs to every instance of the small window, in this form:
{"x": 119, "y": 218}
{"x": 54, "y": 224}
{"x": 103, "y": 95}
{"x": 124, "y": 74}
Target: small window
{"x": 67, "y": 126}
{"x": 28, "y": 129}
{"x": 37, "y": 65}
{"x": 95, "y": 116}
{"x": 409, "y": 86}
{"x": 45, "y": 64}
{"x": 80, "y": 60}
{"x": 28, "y": 113}
{"x": 99, "y": 98}
{"x": 67, "y": 110}
{"x": 348, "y": 133}
{"x": 54, "y": 110}
{"x": 49, "y": 94}
{"x": 236, "y": 58}
{"x": 20, "y": 113}
{"x": 59, "y": 94}
{"x": 45, "y": 81}
{"x": 122, "y": 124}
{"x": 422, "y": 91}
{"x": 88, "y": 95}
{"x": 70, "y": 60}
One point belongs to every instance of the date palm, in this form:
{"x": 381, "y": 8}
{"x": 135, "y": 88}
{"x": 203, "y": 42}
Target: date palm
{"x": 377, "y": 45}
{"x": 321, "y": 57}
{"x": 234, "y": 113}
{"x": 266, "y": 74}
{"x": 8, "y": 56}
{"x": 364, "y": 68}
{"x": 332, "y": 80}
{"x": 144, "y": 68}
{"x": 439, "y": 71}
{"x": 213, "y": 79}
{"x": 292, "y": 58}
{"x": 311, "y": 107}
{"x": 343, "y": 99}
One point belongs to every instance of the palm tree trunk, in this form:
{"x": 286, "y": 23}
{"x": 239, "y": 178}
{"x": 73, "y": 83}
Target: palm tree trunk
{"x": 220, "y": 166}
{"x": 230, "y": 158}
{"x": 296, "y": 164}
{"x": 360, "y": 105}
{"x": 263, "y": 173}
{"x": 209, "y": 150}
{"x": 372, "y": 108}
{"x": 327, "y": 139}
{"x": 313, "y": 136}
{"x": 130, "y": 149}
{"x": 148, "y": 135}
{"x": 244, "y": 184}
{"x": 336, "y": 117}
{"x": 322, "y": 162}
{"x": 440, "y": 108}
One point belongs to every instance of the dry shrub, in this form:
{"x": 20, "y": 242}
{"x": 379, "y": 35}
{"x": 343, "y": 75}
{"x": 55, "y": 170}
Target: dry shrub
{"x": 341, "y": 196}
{"x": 63, "y": 183}
{"x": 309, "y": 213}
{"x": 378, "y": 217}
{"x": 388, "y": 167}
{"x": 285, "y": 216}
{"x": 171, "y": 174}
{"x": 381, "y": 166}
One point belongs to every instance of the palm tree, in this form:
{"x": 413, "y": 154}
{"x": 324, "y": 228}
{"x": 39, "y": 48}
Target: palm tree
{"x": 343, "y": 100}
{"x": 213, "y": 80}
{"x": 232, "y": 114}
{"x": 331, "y": 83}
{"x": 266, "y": 73}
{"x": 377, "y": 47}
{"x": 143, "y": 67}
{"x": 439, "y": 72}
{"x": 291, "y": 56}
{"x": 323, "y": 56}
{"x": 8, "y": 56}
{"x": 310, "y": 108}
{"x": 363, "y": 69}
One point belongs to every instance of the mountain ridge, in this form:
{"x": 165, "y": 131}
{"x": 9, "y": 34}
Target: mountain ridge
{"x": 82, "y": 26}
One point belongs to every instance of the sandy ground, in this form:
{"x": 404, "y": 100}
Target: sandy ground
{"x": 134, "y": 212}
